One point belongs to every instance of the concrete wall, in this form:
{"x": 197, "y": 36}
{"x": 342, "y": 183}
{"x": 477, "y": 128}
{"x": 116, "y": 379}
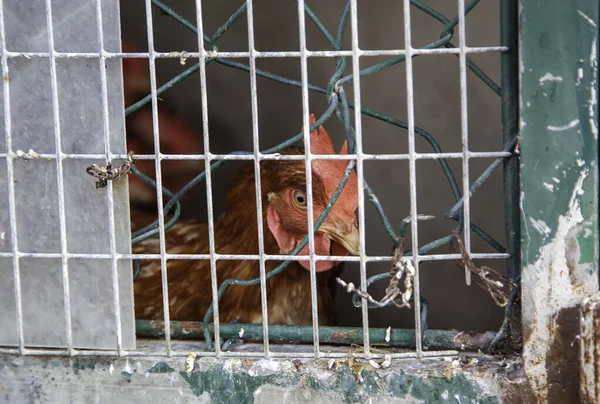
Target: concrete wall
{"x": 234, "y": 381}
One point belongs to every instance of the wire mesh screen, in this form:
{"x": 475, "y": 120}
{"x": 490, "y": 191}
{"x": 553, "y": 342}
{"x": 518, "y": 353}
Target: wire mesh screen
{"x": 331, "y": 184}
{"x": 63, "y": 109}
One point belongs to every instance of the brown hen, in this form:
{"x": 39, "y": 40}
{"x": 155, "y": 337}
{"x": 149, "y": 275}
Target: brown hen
{"x": 283, "y": 186}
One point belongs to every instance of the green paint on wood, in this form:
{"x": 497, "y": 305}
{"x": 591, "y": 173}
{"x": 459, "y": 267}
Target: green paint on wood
{"x": 559, "y": 124}
{"x": 227, "y": 387}
{"x": 126, "y": 376}
{"x": 161, "y": 367}
{"x": 84, "y": 364}
{"x": 438, "y": 389}
{"x": 559, "y": 187}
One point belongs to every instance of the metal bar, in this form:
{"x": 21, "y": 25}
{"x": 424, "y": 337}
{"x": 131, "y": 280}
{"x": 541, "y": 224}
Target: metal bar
{"x": 59, "y": 179}
{"x": 111, "y": 210}
{"x": 159, "y": 196}
{"x": 464, "y": 125}
{"x": 239, "y": 354}
{"x": 404, "y": 338}
{"x": 356, "y": 53}
{"x": 509, "y": 62}
{"x": 309, "y": 187}
{"x": 274, "y": 156}
{"x": 431, "y": 257}
{"x": 11, "y": 187}
{"x": 258, "y": 54}
{"x": 453, "y": 212}
{"x": 257, "y": 176}
{"x": 209, "y": 200}
{"x": 410, "y": 102}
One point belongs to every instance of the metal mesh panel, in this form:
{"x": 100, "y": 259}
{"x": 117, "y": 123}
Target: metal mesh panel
{"x": 339, "y": 104}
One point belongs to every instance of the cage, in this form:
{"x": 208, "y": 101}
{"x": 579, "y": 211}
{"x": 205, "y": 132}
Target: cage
{"x": 124, "y": 123}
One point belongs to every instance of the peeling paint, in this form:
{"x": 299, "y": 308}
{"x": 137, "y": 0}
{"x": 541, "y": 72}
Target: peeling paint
{"x": 549, "y": 187}
{"x": 540, "y": 226}
{"x": 593, "y": 101}
{"x": 588, "y": 19}
{"x": 161, "y": 367}
{"x": 562, "y": 128}
{"x": 553, "y": 275}
{"x": 406, "y": 381}
{"x": 560, "y": 267}
{"x": 589, "y": 355}
{"x": 550, "y": 77}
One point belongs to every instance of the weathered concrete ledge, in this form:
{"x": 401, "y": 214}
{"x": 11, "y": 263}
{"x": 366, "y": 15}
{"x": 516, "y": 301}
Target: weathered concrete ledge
{"x": 461, "y": 379}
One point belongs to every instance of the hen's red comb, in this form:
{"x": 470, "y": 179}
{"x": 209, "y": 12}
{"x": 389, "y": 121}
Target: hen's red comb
{"x": 332, "y": 171}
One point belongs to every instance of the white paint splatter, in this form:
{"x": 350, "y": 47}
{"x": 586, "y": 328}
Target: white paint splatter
{"x": 561, "y": 128}
{"x": 550, "y": 77}
{"x": 264, "y": 367}
{"x": 593, "y": 94}
{"x": 111, "y": 369}
{"x": 556, "y": 180}
{"x": 580, "y": 162}
{"x": 241, "y": 333}
{"x": 549, "y": 187}
{"x": 387, "y": 334}
{"x": 540, "y": 226}
{"x": 588, "y": 19}
{"x": 551, "y": 289}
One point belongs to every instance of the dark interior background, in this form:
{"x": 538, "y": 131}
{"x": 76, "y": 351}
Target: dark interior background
{"x": 437, "y": 110}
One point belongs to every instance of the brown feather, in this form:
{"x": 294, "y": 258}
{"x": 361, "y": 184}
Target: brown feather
{"x": 190, "y": 293}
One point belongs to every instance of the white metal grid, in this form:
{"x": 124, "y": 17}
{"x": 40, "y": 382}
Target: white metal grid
{"x": 359, "y": 157}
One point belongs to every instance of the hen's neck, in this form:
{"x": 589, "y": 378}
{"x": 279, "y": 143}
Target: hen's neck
{"x": 240, "y": 226}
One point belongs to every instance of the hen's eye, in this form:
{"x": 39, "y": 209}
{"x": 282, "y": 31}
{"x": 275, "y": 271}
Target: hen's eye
{"x": 299, "y": 198}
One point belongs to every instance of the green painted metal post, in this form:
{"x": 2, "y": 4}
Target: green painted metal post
{"x": 559, "y": 187}
{"x": 510, "y": 126}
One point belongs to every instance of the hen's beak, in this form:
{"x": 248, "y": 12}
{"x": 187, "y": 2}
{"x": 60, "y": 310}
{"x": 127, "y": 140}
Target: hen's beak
{"x": 344, "y": 234}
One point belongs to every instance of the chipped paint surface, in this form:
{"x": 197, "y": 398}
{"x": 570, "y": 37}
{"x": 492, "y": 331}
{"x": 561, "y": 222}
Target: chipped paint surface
{"x": 588, "y": 19}
{"x": 248, "y": 381}
{"x": 549, "y": 77}
{"x": 561, "y": 128}
{"x": 593, "y": 100}
{"x": 561, "y": 282}
{"x": 590, "y": 350}
{"x": 559, "y": 189}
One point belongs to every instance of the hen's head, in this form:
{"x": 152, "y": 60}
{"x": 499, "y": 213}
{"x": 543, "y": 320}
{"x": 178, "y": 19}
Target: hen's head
{"x": 287, "y": 215}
